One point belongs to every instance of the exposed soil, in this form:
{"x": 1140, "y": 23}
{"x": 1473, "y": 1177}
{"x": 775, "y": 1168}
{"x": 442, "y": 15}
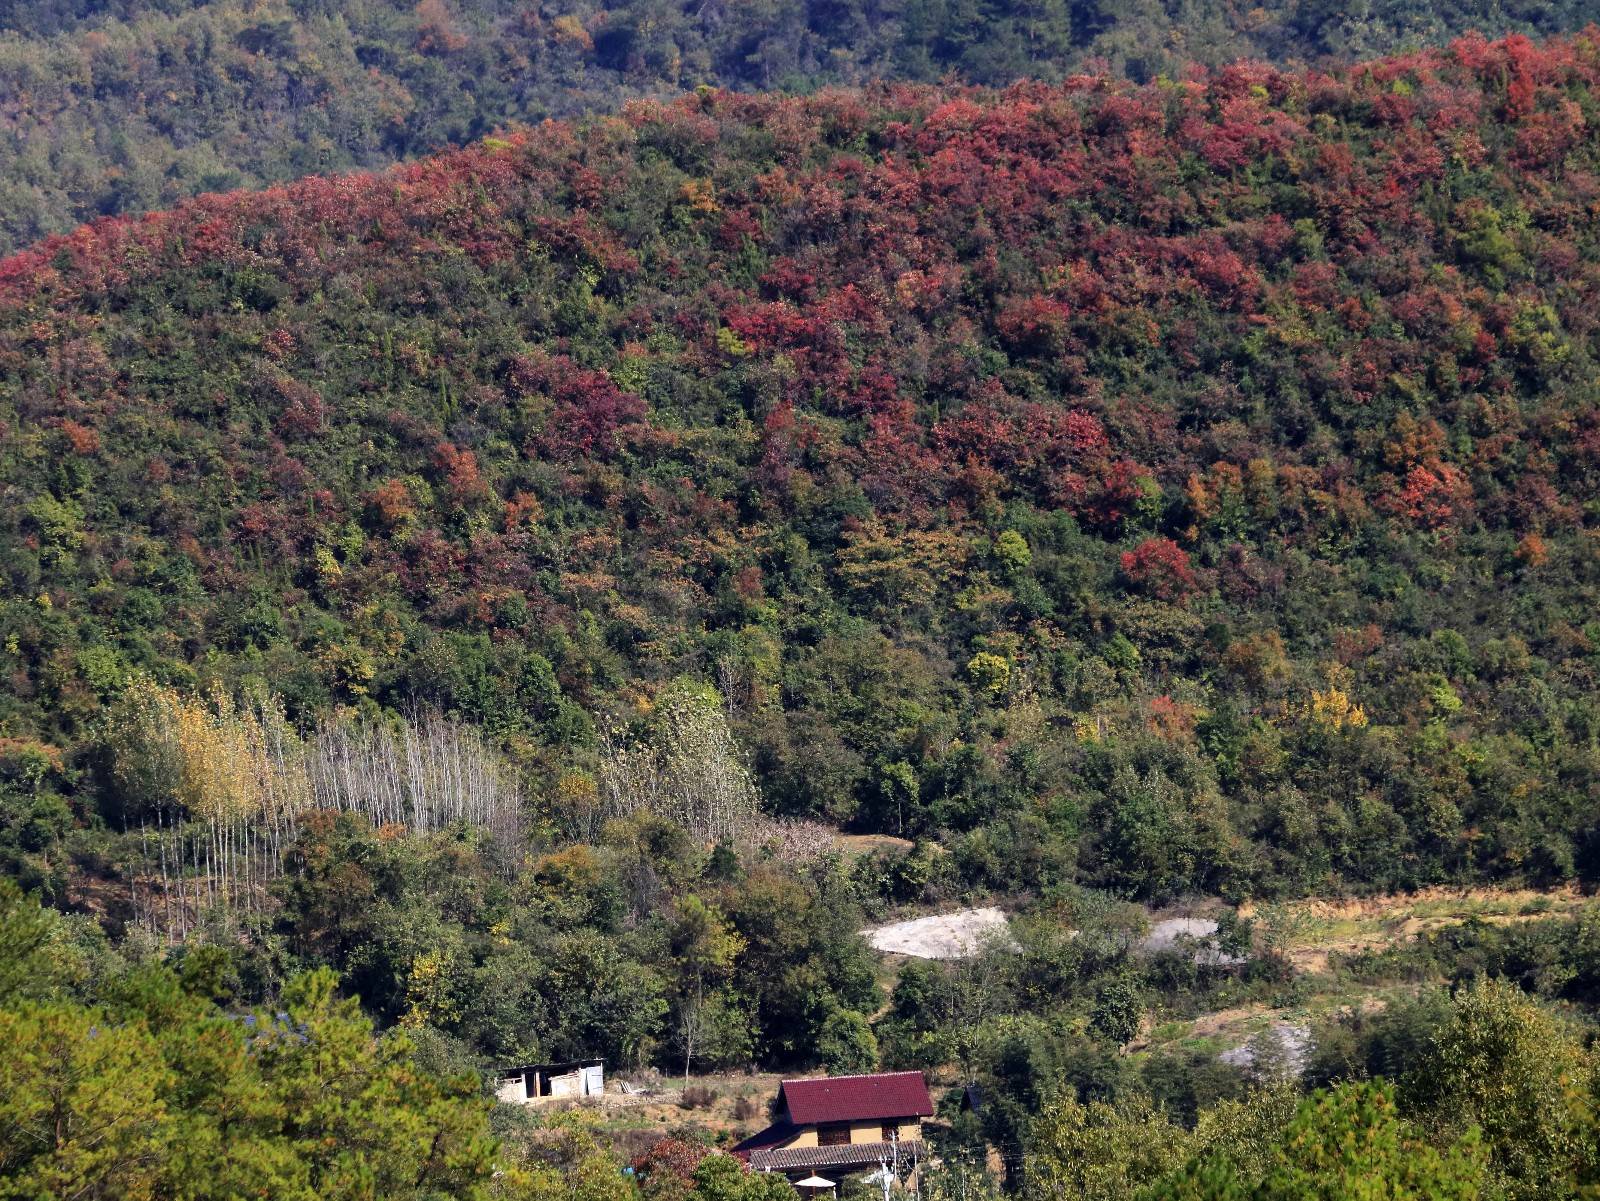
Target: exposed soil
{"x": 866, "y": 844}
{"x": 1308, "y": 933}
{"x": 943, "y": 936}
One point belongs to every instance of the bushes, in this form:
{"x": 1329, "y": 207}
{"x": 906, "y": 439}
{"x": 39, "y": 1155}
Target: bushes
{"x": 697, "y": 1096}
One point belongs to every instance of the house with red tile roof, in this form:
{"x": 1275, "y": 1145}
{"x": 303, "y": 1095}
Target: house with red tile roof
{"x": 838, "y": 1126}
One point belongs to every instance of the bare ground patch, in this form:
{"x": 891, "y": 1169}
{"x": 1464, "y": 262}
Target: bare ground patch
{"x": 1309, "y": 932}
{"x": 943, "y": 935}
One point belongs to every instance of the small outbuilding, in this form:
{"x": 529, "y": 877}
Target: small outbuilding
{"x": 532, "y": 1084}
{"x": 972, "y": 1097}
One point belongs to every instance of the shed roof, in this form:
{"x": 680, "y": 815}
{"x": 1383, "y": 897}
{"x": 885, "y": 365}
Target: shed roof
{"x": 570, "y": 1065}
{"x": 856, "y": 1098}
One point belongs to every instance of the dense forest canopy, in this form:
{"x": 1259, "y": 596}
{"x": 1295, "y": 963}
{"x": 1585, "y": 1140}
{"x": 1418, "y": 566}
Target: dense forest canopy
{"x": 129, "y": 105}
{"x": 1178, "y": 487}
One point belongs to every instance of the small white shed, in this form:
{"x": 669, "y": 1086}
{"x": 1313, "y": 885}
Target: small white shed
{"x": 534, "y": 1083}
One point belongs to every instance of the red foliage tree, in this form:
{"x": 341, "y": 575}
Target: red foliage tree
{"x": 1160, "y": 568}
{"x": 463, "y": 483}
{"x": 670, "y": 1162}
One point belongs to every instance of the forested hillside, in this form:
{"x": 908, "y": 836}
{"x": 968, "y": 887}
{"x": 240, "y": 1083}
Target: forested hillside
{"x": 558, "y": 592}
{"x": 1168, "y": 488}
{"x": 110, "y": 106}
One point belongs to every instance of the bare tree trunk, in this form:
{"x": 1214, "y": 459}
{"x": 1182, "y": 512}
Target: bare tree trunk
{"x": 166, "y": 888}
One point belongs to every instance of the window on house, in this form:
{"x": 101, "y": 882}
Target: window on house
{"x": 834, "y": 1134}
{"x": 889, "y": 1131}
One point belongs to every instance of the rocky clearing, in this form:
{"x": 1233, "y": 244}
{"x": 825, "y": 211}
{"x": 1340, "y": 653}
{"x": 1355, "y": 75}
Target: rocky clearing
{"x": 943, "y": 936}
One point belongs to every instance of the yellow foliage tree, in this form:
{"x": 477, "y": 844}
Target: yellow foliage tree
{"x": 223, "y": 783}
{"x": 1333, "y": 709}
{"x": 218, "y": 760}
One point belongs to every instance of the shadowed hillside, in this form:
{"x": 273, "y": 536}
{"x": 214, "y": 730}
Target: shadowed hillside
{"x": 114, "y": 106}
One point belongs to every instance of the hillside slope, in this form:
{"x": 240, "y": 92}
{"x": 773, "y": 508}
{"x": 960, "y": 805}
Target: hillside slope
{"x": 1180, "y": 487}
{"x": 131, "y": 105}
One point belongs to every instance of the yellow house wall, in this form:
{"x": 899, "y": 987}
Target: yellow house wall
{"x": 872, "y": 1132}
{"x": 865, "y": 1132}
{"x": 861, "y": 1132}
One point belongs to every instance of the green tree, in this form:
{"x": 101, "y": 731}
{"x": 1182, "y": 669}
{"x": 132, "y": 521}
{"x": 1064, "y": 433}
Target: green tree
{"x": 1245, "y": 1132}
{"x": 27, "y": 931}
{"x": 1506, "y": 1066}
{"x": 1351, "y": 1143}
{"x": 359, "y": 1118}
{"x": 803, "y": 958}
{"x": 84, "y": 1106}
{"x": 704, "y": 947}
{"x": 1118, "y": 1011}
{"x": 559, "y": 1159}
{"x": 723, "y": 1178}
{"x": 304, "y": 1102}
{"x": 846, "y": 1044}
{"x": 1099, "y": 1151}
{"x": 1343, "y": 1144}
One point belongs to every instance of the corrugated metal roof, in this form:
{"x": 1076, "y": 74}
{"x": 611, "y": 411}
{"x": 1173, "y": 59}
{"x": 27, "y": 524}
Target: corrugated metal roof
{"x": 786, "y": 1159}
{"x": 566, "y": 1066}
{"x": 856, "y": 1098}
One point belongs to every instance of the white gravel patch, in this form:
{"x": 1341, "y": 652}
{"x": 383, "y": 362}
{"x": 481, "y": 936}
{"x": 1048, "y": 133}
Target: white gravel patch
{"x": 945, "y": 936}
{"x": 1164, "y": 936}
{"x": 1290, "y": 1055}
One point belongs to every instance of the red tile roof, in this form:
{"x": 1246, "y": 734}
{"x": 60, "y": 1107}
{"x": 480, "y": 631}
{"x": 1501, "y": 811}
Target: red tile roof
{"x": 856, "y": 1098}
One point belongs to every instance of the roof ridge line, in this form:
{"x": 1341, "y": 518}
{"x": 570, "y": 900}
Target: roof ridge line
{"x": 853, "y": 1076}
